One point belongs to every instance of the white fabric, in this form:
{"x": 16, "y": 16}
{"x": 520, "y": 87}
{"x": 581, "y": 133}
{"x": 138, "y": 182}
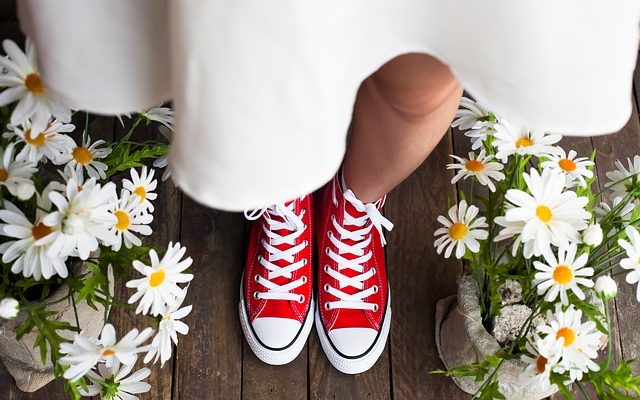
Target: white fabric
{"x": 265, "y": 88}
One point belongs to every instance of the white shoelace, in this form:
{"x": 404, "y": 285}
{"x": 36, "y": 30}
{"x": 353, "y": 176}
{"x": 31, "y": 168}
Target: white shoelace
{"x": 361, "y": 238}
{"x": 291, "y": 223}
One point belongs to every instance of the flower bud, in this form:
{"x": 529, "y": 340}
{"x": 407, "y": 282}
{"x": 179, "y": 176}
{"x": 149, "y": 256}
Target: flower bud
{"x": 8, "y": 308}
{"x": 606, "y": 287}
{"x": 24, "y": 190}
{"x": 592, "y": 236}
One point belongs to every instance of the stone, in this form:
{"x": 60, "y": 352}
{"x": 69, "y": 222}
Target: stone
{"x": 510, "y": 292}
{"x": 510, "y": 320}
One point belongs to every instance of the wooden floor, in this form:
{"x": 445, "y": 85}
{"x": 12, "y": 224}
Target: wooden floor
{"x": 214, "y": 361}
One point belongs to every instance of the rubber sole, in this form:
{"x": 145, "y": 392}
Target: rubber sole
{"x": 271, "y": 356}
{"x": 355, "y": 365}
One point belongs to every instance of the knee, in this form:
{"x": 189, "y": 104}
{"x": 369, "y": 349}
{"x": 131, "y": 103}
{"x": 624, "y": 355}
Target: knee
{"x": 414, "y": 85}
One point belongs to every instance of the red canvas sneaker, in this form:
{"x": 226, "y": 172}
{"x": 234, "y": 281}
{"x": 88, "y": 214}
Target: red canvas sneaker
{"x": 276, "y": 296}
{"x": 353, "y": 313}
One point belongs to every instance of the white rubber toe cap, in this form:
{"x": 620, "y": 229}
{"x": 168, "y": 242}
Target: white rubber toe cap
{"x": 352, "y": 342}
{"x": 276, "y": 332}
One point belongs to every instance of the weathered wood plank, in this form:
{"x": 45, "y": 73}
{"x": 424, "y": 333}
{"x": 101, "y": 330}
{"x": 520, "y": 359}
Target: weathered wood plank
{"x": 326, "y": 382}
{"x": 166, "y": 228}
{"x": 419, "y": 278}
{"x": 621, "y": 145}
{"x": 209, "y": 362}
{"x": 263, "y": 381}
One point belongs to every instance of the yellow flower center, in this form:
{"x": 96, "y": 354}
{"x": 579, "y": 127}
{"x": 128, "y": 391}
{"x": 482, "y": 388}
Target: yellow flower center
{"x": 82, "y": 155}
{"x": 108, "y": 352}
{"x": 568, "y": 334}
{"x": 3, "y": 175}
{"x": 39, "y": 231}
{"x": 139, "y": 190}
{"x": 562, "y": 274}
{"x": 524, "y": 142}
{"x": 157, "y": 278}
{"x": 474, "y": 165}
{"x": 544, "y": 213}
{"x": 567, "y": 165}
{"x": 458, "y": 231}
{"x": 37, "y": 141}
{"x": 541, "y": 363}
{"x": 34, "y": 84}
{"x": 123, "y": 220}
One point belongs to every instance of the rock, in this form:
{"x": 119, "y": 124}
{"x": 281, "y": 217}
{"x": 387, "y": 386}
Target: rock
{"x": 508, "y": 323}
{"x": 510, "y": 292}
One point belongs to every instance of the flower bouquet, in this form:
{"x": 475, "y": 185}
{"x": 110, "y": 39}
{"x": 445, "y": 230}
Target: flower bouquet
{"x": 540, "y": 244}
{"x": 69, "y": 229}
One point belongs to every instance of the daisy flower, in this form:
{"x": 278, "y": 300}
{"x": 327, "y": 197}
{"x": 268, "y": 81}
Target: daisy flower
{"x": 163, "y": 161}
{"x": 143, "y": 186}
{"x": 23, "y": 83}
{"x": 575, "y": 169}
{"x": 15, "y": 175}
{"x": 159, "y": 287}
{"x": 115, "y": 383}
{"x": 511, "y": 229}
{"x": 480, "y": 167}
{"x": 84, "y": 216}
{"x": 552, "y": 215}
{"x": 124, "y": 350}
{"x": 632, "y": 261}
{"x": 540, "y": 360}
{"x": 30, "y": 251}
{"x": 565, "y": 273}
{"x": 579, "y": 341}
{"x": 9, "y": 308}
{"x": 604, "y": 208}
{"x": 131, "y": 217}
{"x": 86, "y": 351}
{"x": 461, "y": 231}
{"x": 477, "y": 120}
{"x": 80, "y": 356}
{"x": 163, "y": 115}
{"x": 86, "y": 157}
{"x": 168, "y": 330}
{"x": 606, "y": 287}
{"x": 511, "y": 139}
{"x": 624, "y": 180}
{"x": 51, "y": 143}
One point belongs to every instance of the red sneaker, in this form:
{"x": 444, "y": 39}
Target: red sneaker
{"x": 276, "y": 296}
{"x": 353, "y": 314}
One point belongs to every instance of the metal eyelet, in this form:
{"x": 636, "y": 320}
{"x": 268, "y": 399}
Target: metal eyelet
{"x": 326, "y": 287}
{"x": 255, "y": 295}
{"x": 373, "y": 271}
{"x": 375, "y": 308}
{"x": 326, "y": 306}
{"x": 306, "y": 243}
{"x": 333, "y": 218}
{"x": 304, "y": 262}
{"x": 256, "y": 277}
{"x": 326, "y": 268}
{"x": 375, "y": 288}
{"x": 329, "y": 234}
{"x": 301, "y": 299}
{"x": 304, "y": 279}
{"x": 326, "y": 250}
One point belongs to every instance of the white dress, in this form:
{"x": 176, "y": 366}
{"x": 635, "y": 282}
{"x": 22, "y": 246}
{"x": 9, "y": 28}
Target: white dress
{"x": 264, "y": 90}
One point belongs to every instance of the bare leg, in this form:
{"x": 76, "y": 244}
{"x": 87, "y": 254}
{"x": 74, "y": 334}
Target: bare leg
{"x": 401, "y": 113}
